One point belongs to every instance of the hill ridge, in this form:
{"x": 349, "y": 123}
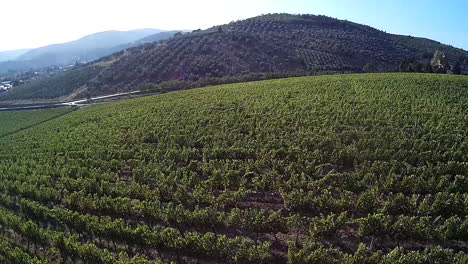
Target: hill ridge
{"x": 273, "y": 44}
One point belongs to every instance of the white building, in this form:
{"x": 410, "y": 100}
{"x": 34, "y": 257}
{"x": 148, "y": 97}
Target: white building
{"x": 5, "y": 86}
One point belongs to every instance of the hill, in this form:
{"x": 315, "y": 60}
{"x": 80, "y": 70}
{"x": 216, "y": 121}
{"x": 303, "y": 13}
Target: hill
{"x": 11, "y": 54}
{"x": 331, "y": 169}
{"x": 85, "y": 49}
{"x": 54, "y": 86}
{"x": 74, "y": 80}
{"x": 271, "y": 43}
{"x": 156, "y": 37}
{"x": 277, "y": 44}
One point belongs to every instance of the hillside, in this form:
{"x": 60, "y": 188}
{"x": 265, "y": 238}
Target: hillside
{"x": 11, "y": 54}
{"x": 331, "y": 169}
{"x": 13, "y": 122}
{"x": 76, "y": 79}
{"x": 156, "y": 37}
{"x": 269, "y": 44}
{"x": 55, "y": 86}
{"x": 85, "y": 49}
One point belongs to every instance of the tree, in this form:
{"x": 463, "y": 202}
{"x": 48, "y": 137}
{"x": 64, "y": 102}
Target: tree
{"x": 410, "y": 65}
{"x": 428, "y": 68}
{"x": 439, "y": 62}
{"x": 369, "y": 67}
{"x": 406, "y": 66}
{"x": 417, "y": 67}
{"x": 457, "y": 68}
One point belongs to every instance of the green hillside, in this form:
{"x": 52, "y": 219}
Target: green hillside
{"x": 12, "y": 122}
{"x": 54, "y": 86}
{"x": 332, "y": 169}
{"x": 268, "y": 45}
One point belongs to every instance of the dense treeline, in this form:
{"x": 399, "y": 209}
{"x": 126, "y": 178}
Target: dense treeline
{"x": 331, "y": 169}
{"x": 439, "y": 63}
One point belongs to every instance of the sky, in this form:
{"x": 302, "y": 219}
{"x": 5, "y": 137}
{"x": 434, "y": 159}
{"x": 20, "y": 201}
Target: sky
{"x": 35, "y": 23}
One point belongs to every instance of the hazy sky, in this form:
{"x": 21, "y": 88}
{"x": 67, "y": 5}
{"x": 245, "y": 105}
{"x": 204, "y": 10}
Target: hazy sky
{"x": 34, "y": 23}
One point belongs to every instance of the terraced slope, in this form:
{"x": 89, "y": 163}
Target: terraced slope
{"x": 335, "y": 169}
{"x": 275, "y": 43}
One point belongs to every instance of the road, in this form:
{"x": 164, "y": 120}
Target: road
{"x": 90, "y": 100}
{"x": 82, "y": 102}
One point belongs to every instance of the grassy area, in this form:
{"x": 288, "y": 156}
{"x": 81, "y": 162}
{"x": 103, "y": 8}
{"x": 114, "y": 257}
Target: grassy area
{"x": 331, "y": 169}
{"x": 11, "y": 122}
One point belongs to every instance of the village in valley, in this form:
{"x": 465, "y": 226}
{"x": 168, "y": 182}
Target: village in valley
{"x": 11, "y": 80}
{"x": 5, "y": 86}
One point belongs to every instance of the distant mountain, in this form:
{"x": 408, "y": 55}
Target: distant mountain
{"x": 85, "y": 49}
{"x": 12, "y": 54}
{"x": 275, "y": 44}
{"x": 164, "y": 35}
{"x": 157, "y": 37}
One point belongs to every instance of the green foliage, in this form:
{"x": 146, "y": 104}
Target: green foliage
{"x": 439, "y": 62}
{"x": 12, "y": 122}
{"x": 411, "y": 65}
{"x": 327, "y": 226}
{"x": 330, "y": 169}
{"x": 377, "y": 224}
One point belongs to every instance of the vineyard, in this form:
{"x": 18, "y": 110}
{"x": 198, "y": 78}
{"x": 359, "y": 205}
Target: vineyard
{"x": 11, "y": 122}
{"x": 334, "y": 169}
